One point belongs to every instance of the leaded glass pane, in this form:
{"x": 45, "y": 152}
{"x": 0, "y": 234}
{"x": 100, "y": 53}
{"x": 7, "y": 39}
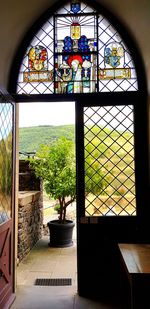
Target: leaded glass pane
{"x": 5, "y": 160}
{"x": 116, "y": 68}
{"x": 77, "y": 51}
{"x": 109, "y": 161}
{"x": 38, "y": 78}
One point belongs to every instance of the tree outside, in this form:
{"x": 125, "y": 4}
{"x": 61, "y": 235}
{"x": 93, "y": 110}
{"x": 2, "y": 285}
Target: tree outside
{"x": 55, "y": 164}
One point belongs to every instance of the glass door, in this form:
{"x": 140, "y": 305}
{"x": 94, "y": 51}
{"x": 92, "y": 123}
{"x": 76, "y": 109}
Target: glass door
{"x": 106, "y": 190}
{"x": 6, "y": 199}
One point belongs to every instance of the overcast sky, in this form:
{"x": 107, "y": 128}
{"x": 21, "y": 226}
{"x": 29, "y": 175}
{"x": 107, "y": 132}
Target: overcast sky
{"x": 35, "y": 114}
{"x": 61, "y": 113}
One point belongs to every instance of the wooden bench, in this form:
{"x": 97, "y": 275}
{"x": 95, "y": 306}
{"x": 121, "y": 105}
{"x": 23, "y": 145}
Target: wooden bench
{"x": 135, "y": 259}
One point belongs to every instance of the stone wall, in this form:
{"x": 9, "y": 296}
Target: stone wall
{"x": 27, "y": 179}
{"x": 30, "y": 221}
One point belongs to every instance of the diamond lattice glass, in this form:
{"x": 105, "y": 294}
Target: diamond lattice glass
{"x": 109, "y": 161}
{"x": 5, "y": 160}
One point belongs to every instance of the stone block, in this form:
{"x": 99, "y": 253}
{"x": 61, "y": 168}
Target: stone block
{"x": 30, "y": 222}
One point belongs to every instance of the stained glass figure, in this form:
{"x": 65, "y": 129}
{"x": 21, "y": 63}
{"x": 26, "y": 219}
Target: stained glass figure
{"x": 76, "y": 54}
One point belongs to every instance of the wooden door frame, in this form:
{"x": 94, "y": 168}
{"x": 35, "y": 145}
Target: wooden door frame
{"x": 10, "y": 223}
{"x": 16, "y": 186}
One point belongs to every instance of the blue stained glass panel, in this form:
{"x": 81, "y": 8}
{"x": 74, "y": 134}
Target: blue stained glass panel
{"x": 75, "y": 7}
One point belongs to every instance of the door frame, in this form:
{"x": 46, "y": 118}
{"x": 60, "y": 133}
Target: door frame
{"x": 135, "y": 224}
{"x": 9, "y": 297}
{"x": 139, "y": 97}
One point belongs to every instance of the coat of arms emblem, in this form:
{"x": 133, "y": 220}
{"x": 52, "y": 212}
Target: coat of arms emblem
{"x": 112, "y": 54}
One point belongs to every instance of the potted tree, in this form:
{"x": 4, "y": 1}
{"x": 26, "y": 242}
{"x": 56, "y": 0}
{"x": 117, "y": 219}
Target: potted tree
{"x": 55, "y": 164}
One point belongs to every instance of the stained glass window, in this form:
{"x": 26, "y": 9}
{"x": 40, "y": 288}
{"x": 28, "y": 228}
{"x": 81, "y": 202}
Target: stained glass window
{"x": 77, "y": 51}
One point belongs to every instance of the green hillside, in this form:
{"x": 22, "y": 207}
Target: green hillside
{"x": 31, "y": 137}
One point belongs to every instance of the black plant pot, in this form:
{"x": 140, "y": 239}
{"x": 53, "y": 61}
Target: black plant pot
{"x": 61, "y": 233}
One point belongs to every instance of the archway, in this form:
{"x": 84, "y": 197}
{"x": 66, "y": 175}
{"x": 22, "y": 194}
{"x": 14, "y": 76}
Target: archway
{"x": 97, "y": 70}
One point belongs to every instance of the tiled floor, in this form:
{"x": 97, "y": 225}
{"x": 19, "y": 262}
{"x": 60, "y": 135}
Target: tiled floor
{"x": 46, "y": 262}
{"x": 31, "y": 297}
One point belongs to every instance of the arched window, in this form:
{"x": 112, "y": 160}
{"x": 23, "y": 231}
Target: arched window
{"x": 77, "y": 50}
{"x": 81, "y": 52}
